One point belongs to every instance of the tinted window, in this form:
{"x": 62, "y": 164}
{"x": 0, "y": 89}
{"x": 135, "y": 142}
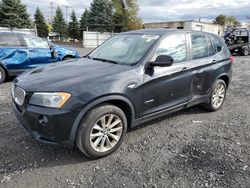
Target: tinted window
{"x": 9, "y": 40}
{"x": 210, "y": 47}
{"x": 174, "y": 46}
{"x": 35, "y": 42}
{"x": 199, "y": 46}
{"x": 216, "y": 43}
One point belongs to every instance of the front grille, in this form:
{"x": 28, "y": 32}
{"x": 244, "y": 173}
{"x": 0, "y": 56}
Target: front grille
{"x": 18, "y": 95}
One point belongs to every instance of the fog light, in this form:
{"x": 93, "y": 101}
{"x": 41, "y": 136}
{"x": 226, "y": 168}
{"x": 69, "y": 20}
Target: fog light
{"x": 43, "y": 120}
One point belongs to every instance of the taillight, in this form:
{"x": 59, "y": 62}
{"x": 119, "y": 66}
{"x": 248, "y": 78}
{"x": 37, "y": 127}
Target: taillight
{"x": 231, "y": 59}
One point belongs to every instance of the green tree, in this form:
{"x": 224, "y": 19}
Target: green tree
{"x": 73, "y": 28}
{"x": 13, "y": 14}
{"x": 84, "y": 22}
{"x": 59, "y": 24}
{"x": 101, "y": 16}
{"x": 221, "y": 19}
{"x": 126, "y": 15}
{"x": 232, "y": 21}
{"x": 42, "y": 27}
{"x": 227, "y": 21}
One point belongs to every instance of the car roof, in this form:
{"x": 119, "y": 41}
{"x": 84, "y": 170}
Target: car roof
{"x": 162, "y": 31}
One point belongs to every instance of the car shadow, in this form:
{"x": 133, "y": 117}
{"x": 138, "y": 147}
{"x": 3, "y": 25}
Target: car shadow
{"x": 23, "y": 153}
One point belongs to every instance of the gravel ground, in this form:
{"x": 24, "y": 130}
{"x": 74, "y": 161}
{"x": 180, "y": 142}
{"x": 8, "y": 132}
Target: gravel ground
{"x": 191, "y": 148}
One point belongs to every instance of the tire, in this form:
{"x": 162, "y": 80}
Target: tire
{"x": 94, "y": 124}
{"x": 244, "y": 51}
{"x": 3, "y": 75}
{"x": 216, "y": 94}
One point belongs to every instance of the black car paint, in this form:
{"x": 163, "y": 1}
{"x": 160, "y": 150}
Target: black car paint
{"x": 146, "y": 92}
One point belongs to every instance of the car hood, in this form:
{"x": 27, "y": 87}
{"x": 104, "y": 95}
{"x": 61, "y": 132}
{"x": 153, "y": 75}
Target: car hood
{"x": 71, "y": 75}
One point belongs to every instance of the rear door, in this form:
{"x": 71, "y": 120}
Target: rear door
{"x": 39, "y": 50}
{"x": 166, "y": 87}
{"x": 13, "y": 53}
{"x": 204, "y": 60}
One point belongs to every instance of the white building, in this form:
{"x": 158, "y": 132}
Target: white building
{"x": 189, "y": 25}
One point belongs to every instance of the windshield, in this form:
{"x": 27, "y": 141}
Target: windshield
{"x": 124, "y": 49}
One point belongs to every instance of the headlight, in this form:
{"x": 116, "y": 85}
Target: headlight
{"x": 51, "y": 100}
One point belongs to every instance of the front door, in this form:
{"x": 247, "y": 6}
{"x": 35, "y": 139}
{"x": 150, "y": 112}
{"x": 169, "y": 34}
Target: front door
{"x": 39, "y": 50}
{"x": 166, "y": 87}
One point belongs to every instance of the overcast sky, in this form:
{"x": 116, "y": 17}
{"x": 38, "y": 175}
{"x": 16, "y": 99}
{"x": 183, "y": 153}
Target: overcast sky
{"x": 160, "y": 10}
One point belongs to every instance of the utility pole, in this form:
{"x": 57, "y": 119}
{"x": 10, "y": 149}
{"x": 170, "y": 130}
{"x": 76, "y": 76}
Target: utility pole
{"x": 124, "y": 2}
{"x": 51, "y": 11}
{"x": 66, "y": 12}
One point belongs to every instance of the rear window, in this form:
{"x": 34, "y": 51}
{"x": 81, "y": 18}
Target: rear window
{"x": 200, "y": 47}
{"x": 216, "y": 42}
{"x": 9, "y": 40}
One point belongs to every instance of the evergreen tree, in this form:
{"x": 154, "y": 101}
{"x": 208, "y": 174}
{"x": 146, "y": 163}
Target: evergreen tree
{"x": 126, "y": 16}
{"x": 73, "y": 28}
{"x": 59, "y": 24}
{"x": 101, "y": 16}
{"x": 42, "y": 28}
{"x": 13, "y": 14}
{"x": 84, "y": 22}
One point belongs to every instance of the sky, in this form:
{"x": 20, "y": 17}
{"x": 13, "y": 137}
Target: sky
{"x": 159, "y": 10}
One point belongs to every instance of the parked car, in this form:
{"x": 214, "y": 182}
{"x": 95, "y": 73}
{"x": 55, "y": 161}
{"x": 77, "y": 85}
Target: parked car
{"x": 20, "y": 52}
{"x": 132, "y": 78}
{"x": 238, "y": 41}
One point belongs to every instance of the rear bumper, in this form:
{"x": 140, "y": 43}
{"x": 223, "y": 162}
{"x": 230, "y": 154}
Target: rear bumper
{"x": 56, "y": 131}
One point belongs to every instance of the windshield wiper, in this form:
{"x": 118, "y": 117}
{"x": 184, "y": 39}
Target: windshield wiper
{"x": 105, "y": 60}
{"x": 87, "y": 56}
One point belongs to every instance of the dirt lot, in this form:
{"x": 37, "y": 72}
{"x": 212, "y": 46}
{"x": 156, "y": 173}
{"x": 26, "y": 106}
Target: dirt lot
{"x": 191, "y": 148}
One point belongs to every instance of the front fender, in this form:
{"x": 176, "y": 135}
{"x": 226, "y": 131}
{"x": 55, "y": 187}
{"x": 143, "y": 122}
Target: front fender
{"x": 93, "y": 104}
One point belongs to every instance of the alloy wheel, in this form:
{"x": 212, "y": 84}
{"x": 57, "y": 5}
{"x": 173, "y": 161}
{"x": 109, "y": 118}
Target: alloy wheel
{"x": 218, "y": 95}
{"x": 106, "y": 133}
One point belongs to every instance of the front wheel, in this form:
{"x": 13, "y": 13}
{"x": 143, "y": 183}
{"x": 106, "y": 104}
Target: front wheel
{"x": 2, "y": 75}
{"x": 102, "y": 131}
{"x": 217, "y": 96}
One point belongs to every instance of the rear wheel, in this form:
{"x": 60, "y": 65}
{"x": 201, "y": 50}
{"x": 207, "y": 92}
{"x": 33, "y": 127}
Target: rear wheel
{"x": 2, "y": 75}
{"x": 102, "y": 131}
{"x": 217, "y": 96}
{"x": 244, "y": 51}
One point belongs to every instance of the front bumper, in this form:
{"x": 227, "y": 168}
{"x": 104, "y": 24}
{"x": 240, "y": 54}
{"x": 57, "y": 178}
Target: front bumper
{"x": 55, "y": 131}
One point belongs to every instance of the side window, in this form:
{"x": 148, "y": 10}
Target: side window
{"x": 216, "y": 43}
{"x": 35, "y": 42}
{"x": 210, "y": 47}
{"x": 9, "y": 40}
{"x": 175, "y": 46}
{"x": 199, "y": 46}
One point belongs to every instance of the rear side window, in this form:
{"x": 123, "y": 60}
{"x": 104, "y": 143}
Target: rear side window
{"x": 216, "y": 43}
{"x": 210, "y": 47}
{"x": 200, "y": 47}
{"x": 9, "y": 40}
{"x": 174, "y": 46}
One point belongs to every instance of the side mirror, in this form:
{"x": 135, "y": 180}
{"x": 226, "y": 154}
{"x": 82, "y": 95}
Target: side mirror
{"x": 219, "y": 48}
{"x": 163, "y": 61}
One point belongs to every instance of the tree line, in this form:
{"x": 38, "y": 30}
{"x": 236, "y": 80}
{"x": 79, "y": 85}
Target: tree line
{"x": 102, "y": 16}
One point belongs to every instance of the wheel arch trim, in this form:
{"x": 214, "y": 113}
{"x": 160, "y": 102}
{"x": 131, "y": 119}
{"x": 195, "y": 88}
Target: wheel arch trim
{"x": 92, "y": 105}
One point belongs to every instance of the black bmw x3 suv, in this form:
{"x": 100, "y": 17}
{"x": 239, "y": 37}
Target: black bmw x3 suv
{"x": 133, "y": 77}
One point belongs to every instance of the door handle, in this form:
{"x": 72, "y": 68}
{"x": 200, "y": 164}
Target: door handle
{"x": 33, "y": 50}
{"x": 184, "y": 68}
{"x": 214, "y": 61}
